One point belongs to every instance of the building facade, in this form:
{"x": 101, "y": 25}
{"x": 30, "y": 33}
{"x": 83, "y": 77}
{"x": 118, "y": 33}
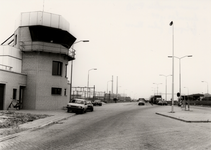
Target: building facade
{"x": 34, "y": 62}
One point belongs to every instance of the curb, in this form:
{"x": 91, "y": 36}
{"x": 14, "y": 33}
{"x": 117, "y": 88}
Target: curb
{"x": 33, "y": 129}
{"x": 187, "y": 121}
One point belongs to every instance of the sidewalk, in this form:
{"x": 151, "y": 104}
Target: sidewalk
{"x": 196, "y": 114}
{"x": 54, "y": 117}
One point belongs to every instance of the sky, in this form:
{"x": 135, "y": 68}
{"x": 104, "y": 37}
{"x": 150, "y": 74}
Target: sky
{"x": 131, "y": 40}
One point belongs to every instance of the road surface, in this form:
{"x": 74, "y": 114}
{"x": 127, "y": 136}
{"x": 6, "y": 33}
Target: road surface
{"x": 118, "y": 126}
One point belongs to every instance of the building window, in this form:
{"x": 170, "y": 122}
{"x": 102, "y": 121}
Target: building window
{"x": 56, "y": 91}
{"x": 57, "y": 68}
{"x": 14, "y": 93}
{"x": 15, "y": 40}
{"x": 66, "y": 70}
{"x": 65, "y": 92}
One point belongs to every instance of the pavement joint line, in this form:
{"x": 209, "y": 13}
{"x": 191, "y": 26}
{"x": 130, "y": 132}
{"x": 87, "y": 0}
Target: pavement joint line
{"x": 187, "y": 121}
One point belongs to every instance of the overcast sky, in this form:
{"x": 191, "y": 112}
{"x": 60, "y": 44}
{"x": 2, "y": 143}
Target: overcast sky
{"x": 131, "y": 39}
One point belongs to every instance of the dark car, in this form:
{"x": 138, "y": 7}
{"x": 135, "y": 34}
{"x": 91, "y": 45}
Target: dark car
{"x": 90, "y": 106}
{"x": 141, "y": 102}
{"x": 97, "y": 103}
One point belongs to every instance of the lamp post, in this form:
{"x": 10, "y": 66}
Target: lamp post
{"x": 207, "y": 86}
{"x": 88, "y": 79}
{"x": 71, "y": 70}
{"x": 180, "y": 69}
{"x": 157, "y": 86}
{"x": 172, "y": 99}
{"x": 166, "y": 85}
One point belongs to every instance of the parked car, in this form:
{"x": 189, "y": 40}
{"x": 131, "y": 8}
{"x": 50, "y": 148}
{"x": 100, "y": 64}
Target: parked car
{"x": 90, "y": 106}
{"x": 141, "y": 102}
{"x": 165, "y": 103}
{"x": 162, "y": 102}
{"x": 97, "y": 102}
{"x": 77, "y": 106}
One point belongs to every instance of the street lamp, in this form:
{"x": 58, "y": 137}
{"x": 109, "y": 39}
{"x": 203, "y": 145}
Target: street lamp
{"x": 207, "y": 86}
{"x": 88, "y": 79}
{"x": 172, "y": 99}
{"x": 166, "y": 84}
{"x": 180, "y": 69}
{"x": 71, "y": 70}
{"x": 157, "y": 86}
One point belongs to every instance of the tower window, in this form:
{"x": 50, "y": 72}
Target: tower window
{"x": 57, "y": 68}
{"x": 15, "y": 39}
{"x": 66, "y": 70}
{"x": 56, "y": 91}
{"x": 65, "y": 92}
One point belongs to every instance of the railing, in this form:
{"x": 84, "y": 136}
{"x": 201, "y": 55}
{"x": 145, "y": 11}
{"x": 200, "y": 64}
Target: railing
{"x": 5, "y": 67}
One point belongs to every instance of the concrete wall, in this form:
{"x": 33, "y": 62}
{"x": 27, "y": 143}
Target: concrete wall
{"x": 38, "y": 67}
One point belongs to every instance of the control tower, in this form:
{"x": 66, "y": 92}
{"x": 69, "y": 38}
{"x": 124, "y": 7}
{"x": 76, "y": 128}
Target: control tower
{"x": 42, "y": 41}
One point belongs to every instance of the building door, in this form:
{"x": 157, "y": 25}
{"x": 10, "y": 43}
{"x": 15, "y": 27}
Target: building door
{"x": 21, "y": 101}
{"x": 2, "y": 96}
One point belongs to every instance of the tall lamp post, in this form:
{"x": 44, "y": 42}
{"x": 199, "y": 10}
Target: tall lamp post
{"x": 88, "y": 79}
{"x": 166, "y": 85}
{"x": 172, "y": 99}
{"x": 71, "y": 70}
{"x": 157, "y": 86}
{"x": 207, "y": 86}
{"x": 180, "y": 69}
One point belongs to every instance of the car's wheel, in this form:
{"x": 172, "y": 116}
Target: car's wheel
{"x": 92, "y": 109}
{"x": 82, "y": 111}
{"x": 68, "y": 110}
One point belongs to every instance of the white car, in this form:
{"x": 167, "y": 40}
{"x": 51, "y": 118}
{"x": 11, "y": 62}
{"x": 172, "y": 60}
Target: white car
{"x": 77, "y": 106}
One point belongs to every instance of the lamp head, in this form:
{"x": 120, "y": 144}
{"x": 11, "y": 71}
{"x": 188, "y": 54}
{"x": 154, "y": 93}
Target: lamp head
{"x": 85, "y": 40}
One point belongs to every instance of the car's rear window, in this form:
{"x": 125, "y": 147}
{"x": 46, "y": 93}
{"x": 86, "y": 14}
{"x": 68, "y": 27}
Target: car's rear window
{"x": 78, "y": 101}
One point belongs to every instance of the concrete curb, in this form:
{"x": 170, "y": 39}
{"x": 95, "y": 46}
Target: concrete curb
{"x": 187, "y": 121}
{"x": 34, "y": 128}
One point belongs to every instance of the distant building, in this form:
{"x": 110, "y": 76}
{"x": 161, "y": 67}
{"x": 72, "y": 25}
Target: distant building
{"x": 33, "y": 62}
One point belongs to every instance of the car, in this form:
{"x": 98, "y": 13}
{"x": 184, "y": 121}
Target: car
{"x": 165, "y": 103}
{"x": 161, "y": 102}
{"x": 90, "y": 106}
{"x": 77, "y": 106}
{"x": 141, "y": 99}
{"x": 97, "y": 102}
{"x": 141, "y": 102}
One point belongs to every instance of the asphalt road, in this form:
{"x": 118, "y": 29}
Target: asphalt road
{"x": 120, "y": 126}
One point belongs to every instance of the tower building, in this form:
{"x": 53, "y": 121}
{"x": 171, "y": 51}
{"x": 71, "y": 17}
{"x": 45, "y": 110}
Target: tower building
{"x": 34, "y": 62}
